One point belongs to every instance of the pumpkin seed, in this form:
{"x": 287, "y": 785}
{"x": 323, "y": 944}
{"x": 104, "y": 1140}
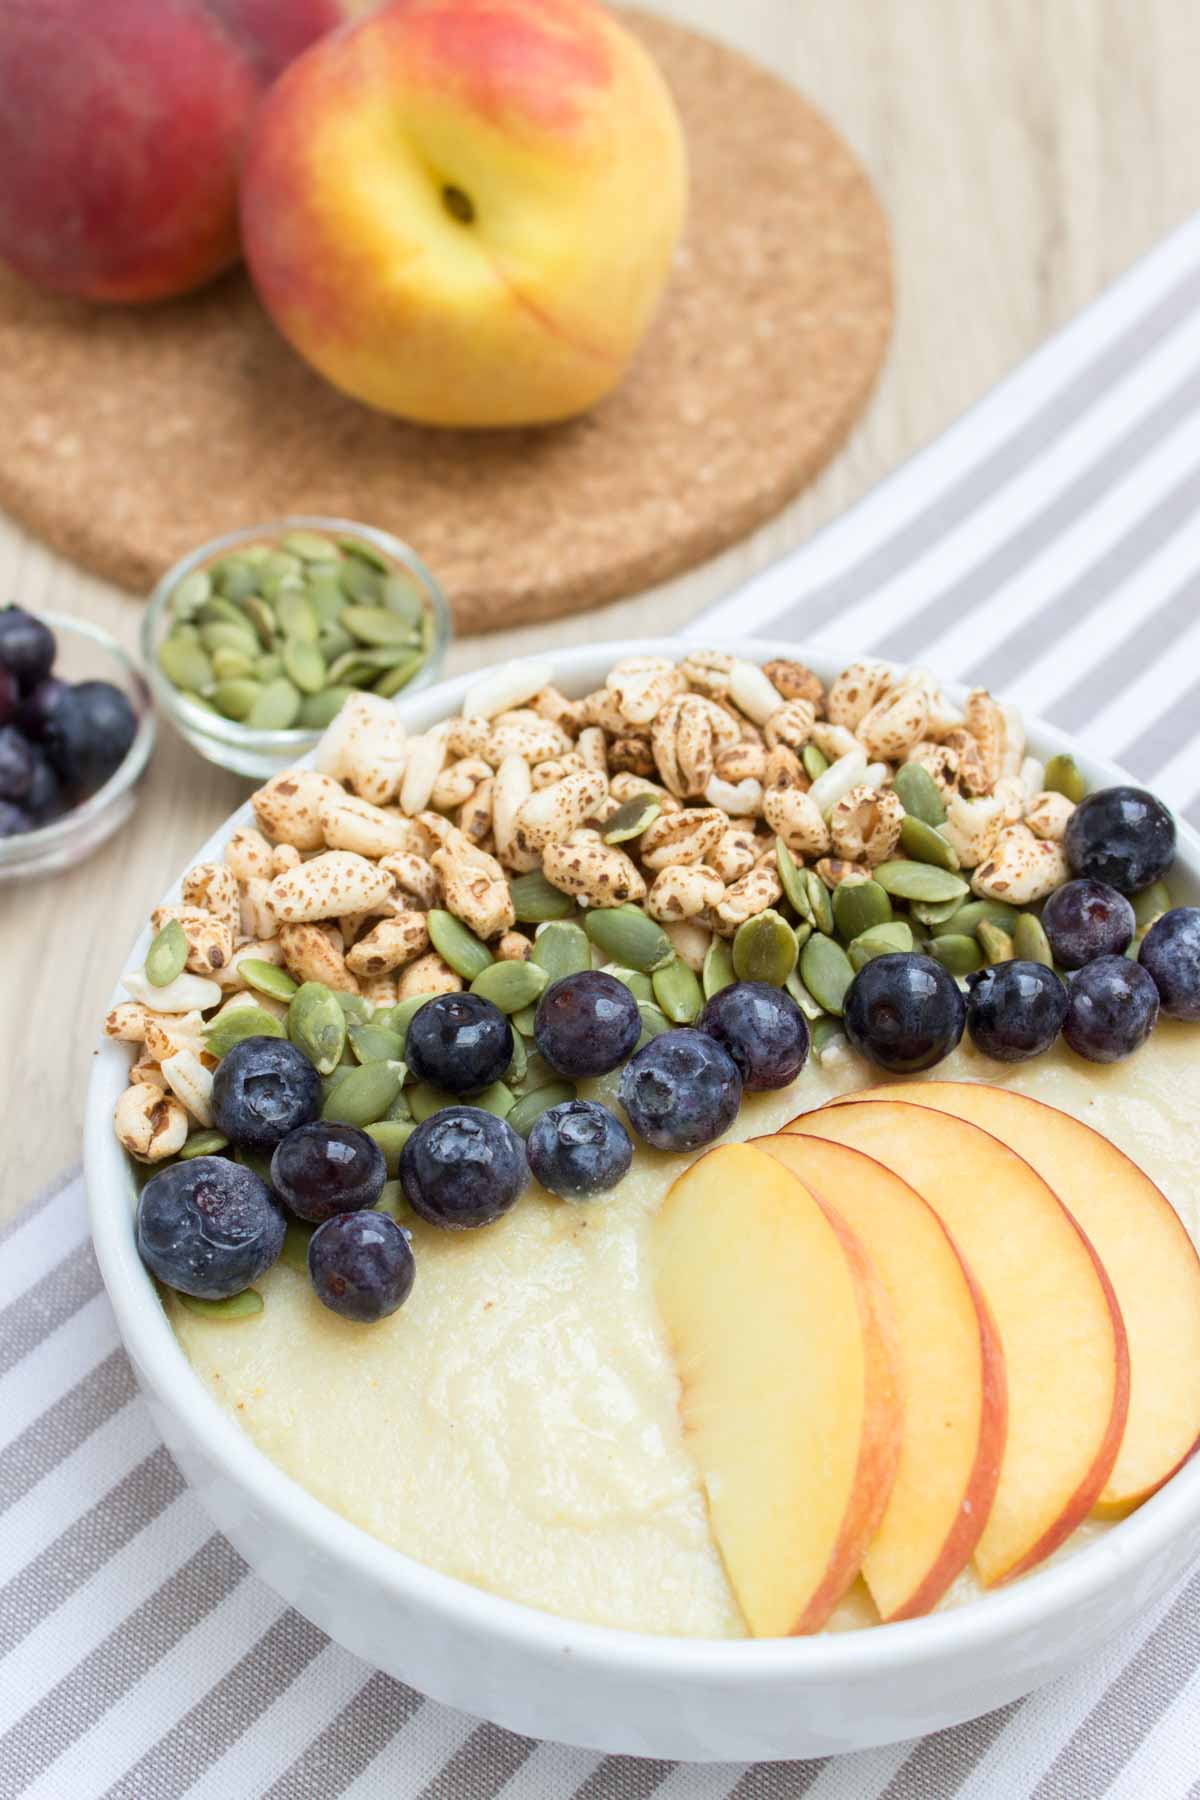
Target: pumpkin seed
{"x": 827, "y": 1034}
{"x": 1151, "y": 903}
{"x": 536, "y": 900}
{"x": 391, "y": 1135}
{"x": 309, "y": 546}
{"x": 167, "y": 955}
{"x": 391, "y": 1201}
{"x": 364, "y": 553}
{"x": 893, "y": 939}
{"x": 266, "y": 978}
{"x": 231, "y": 665}
{"x": 529, "y": 1109}
{"x": 184, "y": 664}
{"x": 276, "y": 707}
{"x": 997, "y": 945}
{"x": 398, "y": 1018}
{"x": 203, "y": 1143}
{"x": 957, "y": 953}
{"x": 654, "y": 1023}
{"x": 399, "y": 676}
{"x": 237, "y": 1306}
{"x": 791, "y": 877}
{"x": 765, "y": 949}
{"x": 498, "y": 1099}
{"x": 814, "y": 762}
{"x": 223, "y": 634}
{"x": 376, "y": 626}
{"x": 523, "y": 1021}
{"x": 857, "y": 906}
{"x": 316, "y": 1024}
{"x": 629, "y": 936}
{"x": 330, "y": 1083}
{"x": 965, "y": 922}
{"x": 357, "y": 1010}
{"x": 236, "y": 699}
{"x": 191, "y": 593}
{"x": 319, "y": 710}
{"x": 718, "y": 971}
{"x": 803, "y": 932}
{"x": 219, "y": 610}
{"x": 826, "y": 972}
{"x": 304, "y": 665}
{"x": 919, "y": 794}
{"x": 234, "y": 577}
{"x": 402, "y": 596}
{"x": 1063, "y": 777}
{"x": 631, "y": 818}
{"x": 919, "y": 881}
{"x": 375, "y": 1043}
{"x": 804, "y": 1000}
{"x": 1029, "y": 941}
{"x": 932, "y": 913}
{"x": 464, "y": 952}
{"x": 820, "y": 906}
{"x": 196, "y": 699}
{"x": 678, "y": 992}
{"x": 399, "y": 1109}
{"x": 511, "y": 986}
{"x": 925, "y": 845}
{"x": 363, "y": 1095}
{"x": 424, "y": 1100}
{"x": 640, "y": 986}
{"x": 269, "y": 667}
{"x": 562, "y": 949}
{"x": 242, "y": 1022}
{"x": 514, "y": 1075}
{"x": 296, "y": 1239}
{"x": 262, "y": 618}
{"x": 256, "y": 1160}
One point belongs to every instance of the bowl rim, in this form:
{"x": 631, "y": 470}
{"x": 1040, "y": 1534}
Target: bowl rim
{"x": 229, "y": 732}
{"x": 35, "y": 846}
{"x": 820, "y": 1659}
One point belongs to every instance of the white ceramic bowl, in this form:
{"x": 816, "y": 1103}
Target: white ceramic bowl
{"x": 587, "y": 1685}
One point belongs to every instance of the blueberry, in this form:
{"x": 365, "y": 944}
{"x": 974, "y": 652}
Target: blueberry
{"x": 1171, "y": 955}
{"x": 1121, "y": 835}
{"x": 579, "y": 1149}
{"x": 322, "y": 1169}
{"x": 44, "y": 801}
{"x": 10, "y": 695}
{"x": 16, "y": 765}
{"x": 263, "y": 1088}
{"x": 586, "y": 1024}
{"x": 763, "y": 1030}
{"x": 463, "y": 1167}
{"x": 1085, "y": 919}
{"x": 459, "y": 1042}
{"x": 361, "y": 1265}
{"x": 681, "y": 1090}
{"x": 1015, "y": 1010}
{"x": 208, "y": 1227}
{"x": 14, "y": 820}
{"x": 1112, "y": 1007}
{"x": 904, "y": 1012}
{"x": 88, "y": 733}
{"x": 27, "y": 647}
{"x": 34, "y": 713}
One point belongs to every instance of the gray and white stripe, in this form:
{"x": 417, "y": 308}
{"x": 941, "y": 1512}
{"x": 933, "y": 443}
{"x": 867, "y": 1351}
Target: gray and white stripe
{"x": 1046, "y": 544}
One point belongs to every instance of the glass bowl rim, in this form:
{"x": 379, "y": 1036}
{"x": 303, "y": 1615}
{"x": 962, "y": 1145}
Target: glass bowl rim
{"x": 47, "y": 838}
{"x": 198, "y": 721}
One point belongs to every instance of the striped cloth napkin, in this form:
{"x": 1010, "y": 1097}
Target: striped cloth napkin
{"x": 1045, "y": 546}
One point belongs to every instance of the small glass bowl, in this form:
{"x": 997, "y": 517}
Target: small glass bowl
{"x": 86, "y": 653}
{"x": 261, "y": 754}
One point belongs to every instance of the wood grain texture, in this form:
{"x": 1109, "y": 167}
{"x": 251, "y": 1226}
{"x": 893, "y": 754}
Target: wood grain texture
{"x": 1025, "y": 153}
{"x": 179, "y": 419}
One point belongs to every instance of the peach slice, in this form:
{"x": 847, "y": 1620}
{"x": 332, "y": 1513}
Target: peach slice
{"x": 951, "y": 1365}
{"x": 1065, "y": 1352}
{"x": 781, "y": 1335}
{"x": 1139, "y": 1237}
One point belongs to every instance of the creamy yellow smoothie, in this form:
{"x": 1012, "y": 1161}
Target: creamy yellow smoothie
{"x": 515, "y": 1424}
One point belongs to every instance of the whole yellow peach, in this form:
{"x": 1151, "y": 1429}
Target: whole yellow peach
{"x": 464, "y": 211}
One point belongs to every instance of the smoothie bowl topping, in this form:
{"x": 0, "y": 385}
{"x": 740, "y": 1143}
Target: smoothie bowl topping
{"x": 555, "y": 941}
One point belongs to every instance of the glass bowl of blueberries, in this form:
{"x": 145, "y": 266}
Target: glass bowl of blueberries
{"x": 76, "y": 731}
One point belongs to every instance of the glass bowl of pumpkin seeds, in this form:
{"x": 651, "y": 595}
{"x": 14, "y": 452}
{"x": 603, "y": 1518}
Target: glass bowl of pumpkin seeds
{"x": 253, "y": 641}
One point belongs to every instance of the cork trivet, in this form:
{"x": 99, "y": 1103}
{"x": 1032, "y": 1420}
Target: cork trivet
{"x": 132, "y": 435}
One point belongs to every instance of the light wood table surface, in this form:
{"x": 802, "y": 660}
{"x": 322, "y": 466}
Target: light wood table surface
{"x": 1026, "y": 151}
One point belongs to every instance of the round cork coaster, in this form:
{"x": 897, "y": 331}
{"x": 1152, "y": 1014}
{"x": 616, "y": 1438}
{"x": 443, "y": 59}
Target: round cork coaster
{"x": 132, "y": 435}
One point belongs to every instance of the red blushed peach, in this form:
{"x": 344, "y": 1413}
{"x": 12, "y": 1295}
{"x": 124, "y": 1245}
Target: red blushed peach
{"x": 122, "y": 125}
{"x": 464, "y": 211}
